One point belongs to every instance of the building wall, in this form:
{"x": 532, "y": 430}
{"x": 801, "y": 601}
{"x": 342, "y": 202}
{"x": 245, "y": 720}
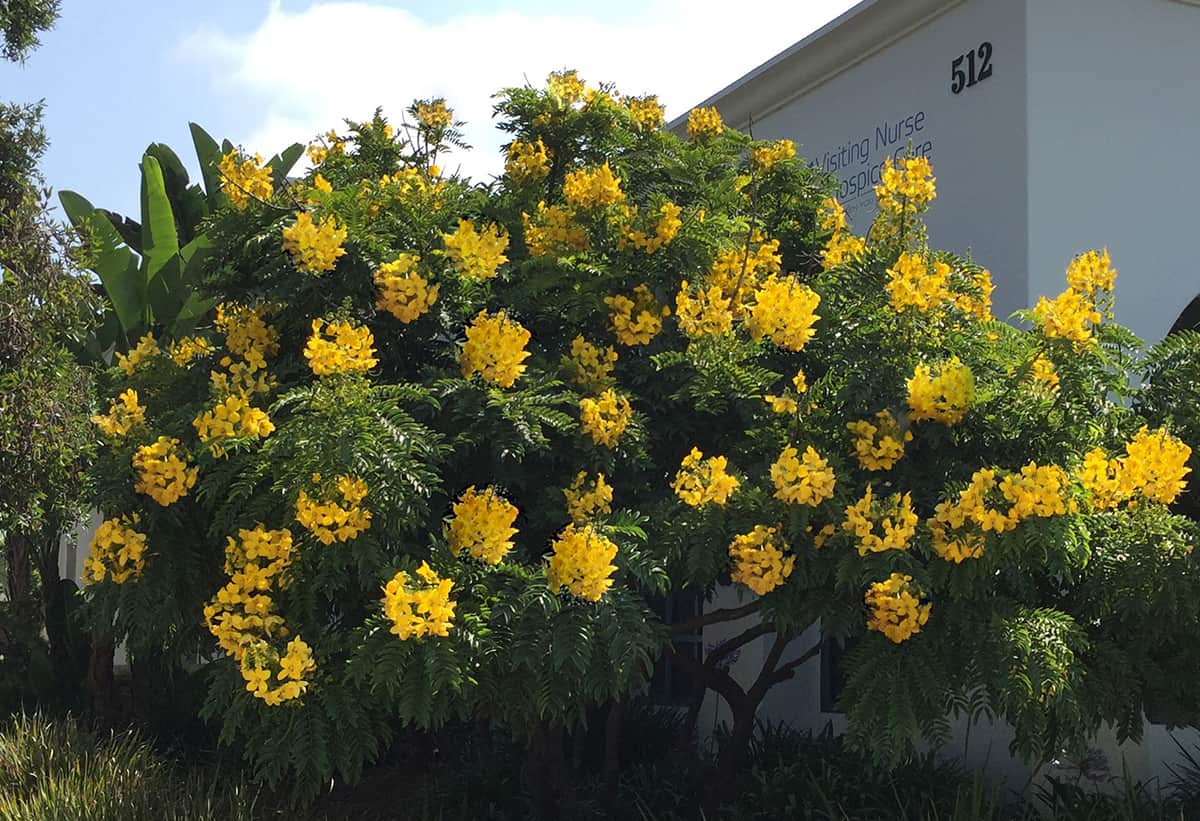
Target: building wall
{"x": 976, "y": 139}
{"x": 1114, "y": 116}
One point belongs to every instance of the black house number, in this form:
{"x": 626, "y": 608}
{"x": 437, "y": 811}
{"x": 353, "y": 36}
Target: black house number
{"x": 978, "y": 68}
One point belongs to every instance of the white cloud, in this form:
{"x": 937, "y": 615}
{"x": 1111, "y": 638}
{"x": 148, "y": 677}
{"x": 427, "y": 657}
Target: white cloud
{"x": 301, "y": 73}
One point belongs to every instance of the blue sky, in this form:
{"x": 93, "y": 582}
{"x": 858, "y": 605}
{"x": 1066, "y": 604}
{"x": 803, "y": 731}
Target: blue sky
{"x": 121, "y": 74}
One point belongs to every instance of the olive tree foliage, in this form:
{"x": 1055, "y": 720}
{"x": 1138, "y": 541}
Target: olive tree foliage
{"x": 20, "y": 23}
{"x": 366, "y": 491}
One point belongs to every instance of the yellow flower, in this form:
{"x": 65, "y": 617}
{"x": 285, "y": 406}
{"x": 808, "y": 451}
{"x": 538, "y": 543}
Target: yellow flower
{"x": 806, "y": 480}
{"x": 591, "y": 365}
{"x": 419, "y": 609}
{"x": 243, "y": 178}
{"x": 1091, "y": 273}
{"x": 482, "y": 525}
{"x": 433, "y": 115}
{"x": 842, "y": 247}
{"x": 592, "y": 187}
{"x": 665, "y": 230}
{"x": 403, "y": 292}
{"x": 878, "y": 446}
{"x": 339, "y": 347}
{"x": 582, "y": 562}
{"x": 636, "y": 320}
{"x": 495, "y": 349}
{"x": 759, "y": 560}
{"x": 587, "y": 499}
{"x": 117, "y": 551}
{"x": 247, "y": 334}
{"x": 708, "y": 313}
{"x": 1154, "y": 465}
{"x": 978, "y": 302}
{"x": 145, "y": 350}
{"x": 605, "y": 418}
{"x": 739, "y": 271}
{"x": 646, "y": 112}
{"x": 553, "y": 229}
{"x": 315, "y": 247}
{"x": 1043, "y": 374}
{"x": 162, "y": 474}
{"x": 910, "y": 186}
{"x": 895, "y": 520}
{"x": 1102, "y": 478}
{"x": 331, "y": 521}
{"x": 123, "y": 415}
{"x": 896, "y": 609}
{"x": 945, "y": 397}
{"x": 566, "y": 85}
{"x": 327, "y": 145}
{"x": 764, "y": 158}
{"x": 784, "y": 311}
{"x": 781, "y": 404}
{"x": 913, "y": 284}
{"x": 1070, "y": 315}
{"x": 188, "y": 348}
{"x": 831, "y": 215}
{"x": 527, "y": 162}
{"x": 702, "y": 481}
{"x": 1038, "y": 490}
{"x": 705, "y": 122}
{"x": 233, "y": 417}
{"x": 476, "y": 255}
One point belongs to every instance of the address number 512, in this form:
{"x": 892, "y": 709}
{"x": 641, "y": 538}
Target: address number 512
{"x": 978, "y": 68}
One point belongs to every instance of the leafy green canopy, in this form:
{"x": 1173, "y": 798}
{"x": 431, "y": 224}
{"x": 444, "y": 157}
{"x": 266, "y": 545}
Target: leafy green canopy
{"x": 440, "y": 444}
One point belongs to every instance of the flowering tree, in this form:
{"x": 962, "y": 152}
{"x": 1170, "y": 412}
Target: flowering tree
{"x": 442, "y": 442}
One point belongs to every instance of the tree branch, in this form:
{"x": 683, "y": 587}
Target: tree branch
{"x": 712, "y": 678}
{"x": 788, "y": 669}
{"x": 717, "y": 616}
{"x": 765, "y": 676}
{"x": 729, "y": 645}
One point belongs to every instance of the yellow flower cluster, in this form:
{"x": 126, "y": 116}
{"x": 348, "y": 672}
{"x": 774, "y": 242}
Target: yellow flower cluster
{"x": 759, "y": 560}
{"x": 243, "y": 178}
{"x": 495, "y": 349}
{"x": 605, "y": 417}
{"x": 1038, "y": 490}
{"x": 806, "y": 480}
{"x": 118, "y": 552}
{"x": 878, "y": 445}
{"x": 784, "y": 311}
{"x": 788, "y": 402}
{"x": 590, "y": 364}
{"x": 553, "y": 228}
{"x": 1070, "y": 315}
{"x": 1153, "y": 467}
{"x": 332, "y": 521}
{"x": 705, "y": 122}
{"x": 327, "y": 145}
{"x": 592, "y": 187}
{"x": 185, "y": 350}
{"x": 582, "y": 562}
{"x": 242, "y": 380}
{"x": 403, "y": 292}
{"x": 233, "y": 417}
{"x": 646, "y": 112}
{"x": 587, "y": 499}
{"x": 162, "y": 474}
{"x": 702, "y": 481}
{"x": 738, "y": 271}
{"x": 1091, "y": 273}
{"x": 708, "y": 313}
{"x": 339, "y": 347}
{"x": 912, "y": 283}
{"x": 842, "y": 247}
{"x": 482, "y": 525}
{"x": 247, "y": 334}
{"x": 636, "y": 320}
{"x": 896, "y": 522}
{"x": 419, "y": 610}
{"x": 566, "y": 85}
{"x": 665, "y": 230}
{"x": 434, "y": 115}
{"x": 527, "y": 162}
{"x": 943, "y": 393}
{"x": 896, "y": 609}
{"x": 1043, "y": 374}
{"x": 242, "y": 616}
{"x": 145, "y": 350}
{"x": 979, "y": 304}
{"x": 314, "y": 246}
{"x": 910, "y": 186}
{"x": 123, "y": 415}
{"x": 476, "y": 254}
{"x": 764, "y": 158}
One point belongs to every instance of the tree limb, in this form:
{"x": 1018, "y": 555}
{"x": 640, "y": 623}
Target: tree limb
{"x": 788, "y": 669}
{"x": 716, "y": 616}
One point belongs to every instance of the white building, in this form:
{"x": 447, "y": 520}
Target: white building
{"x": 1053, "y": 126}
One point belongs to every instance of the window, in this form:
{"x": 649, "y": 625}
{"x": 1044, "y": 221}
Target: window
{"x": 833, "y": 671}
{"x": 668, "y": 686}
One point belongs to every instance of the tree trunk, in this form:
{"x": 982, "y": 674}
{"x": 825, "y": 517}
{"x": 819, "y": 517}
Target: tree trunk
{"x": 100, "y": 676}
{"x": 18, "y": 550}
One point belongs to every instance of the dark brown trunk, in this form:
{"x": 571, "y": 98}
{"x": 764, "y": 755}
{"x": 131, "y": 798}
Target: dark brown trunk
{"x": 101, "y": 692}
{"x": 18, "y": 550}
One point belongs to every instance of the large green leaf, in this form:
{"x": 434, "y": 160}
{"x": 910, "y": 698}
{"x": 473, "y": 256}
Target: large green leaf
{"x": 166, "y": 291}
{"x": 208, "y": 153}
{"x": 282, "y": 163}
{"x": 115, "y": 264}
{"x": 160, "y": 242}
{"x": 187, "y": 199}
